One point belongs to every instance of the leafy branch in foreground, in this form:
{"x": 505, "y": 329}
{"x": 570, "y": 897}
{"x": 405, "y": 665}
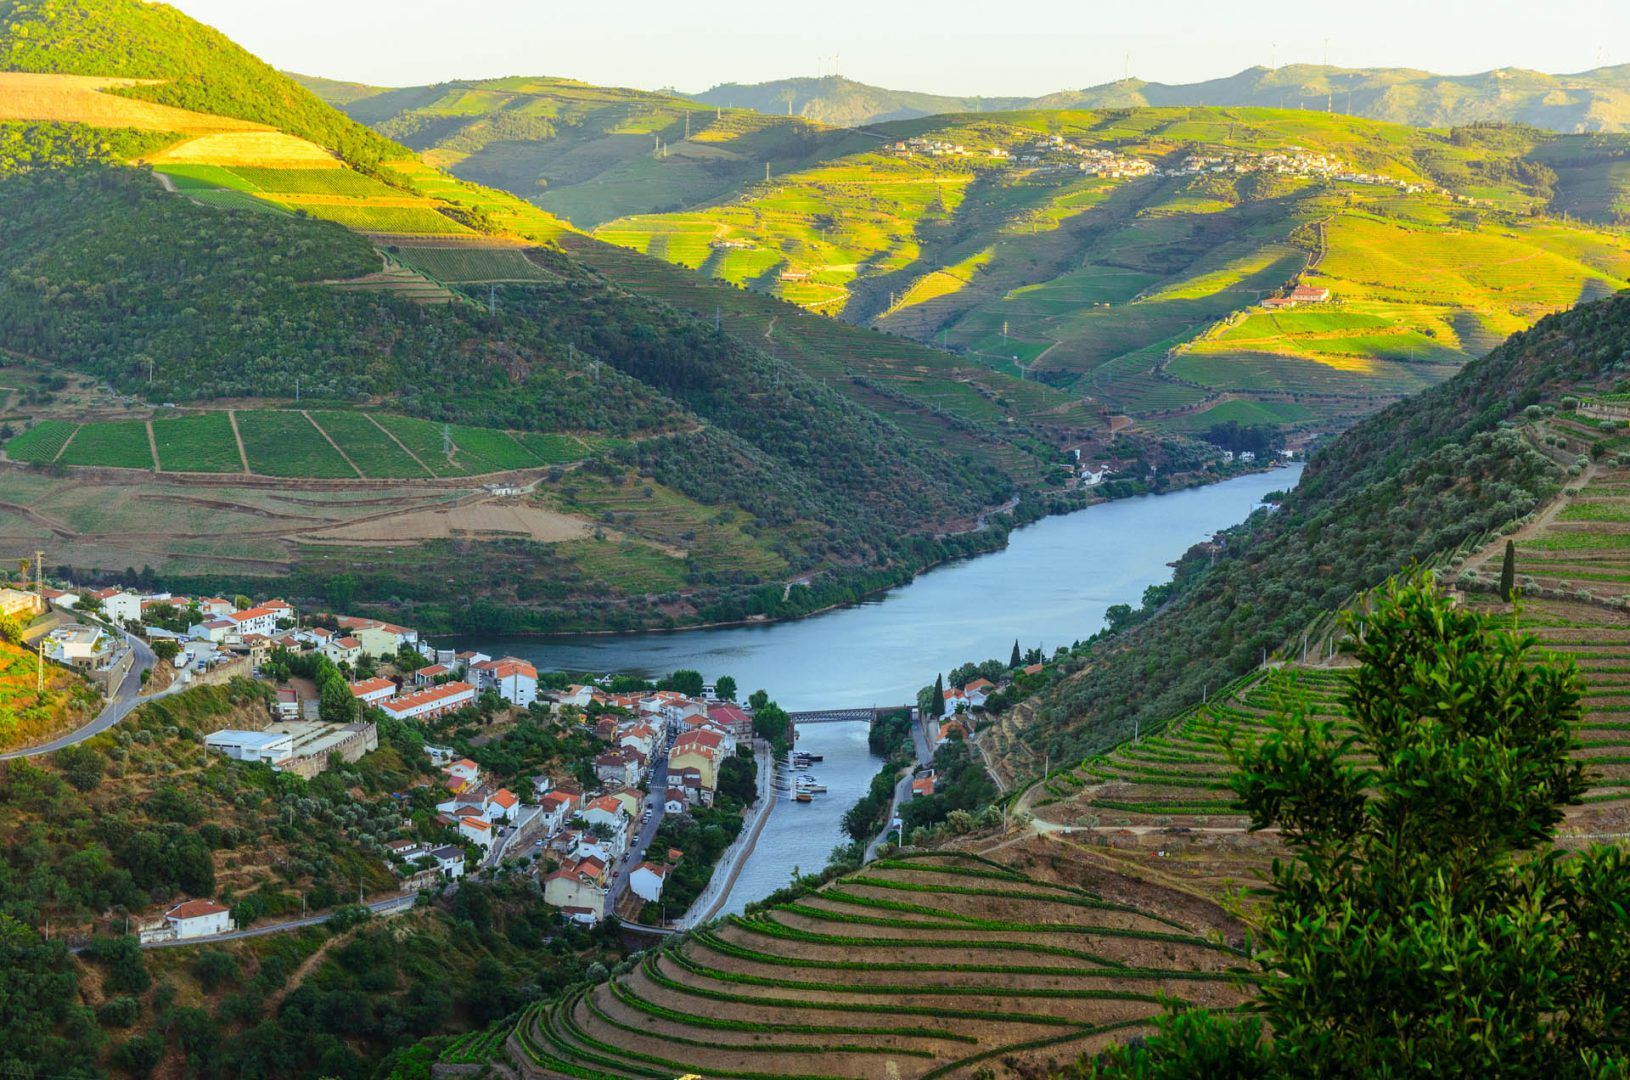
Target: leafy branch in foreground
{"x": 1422, "y": 925}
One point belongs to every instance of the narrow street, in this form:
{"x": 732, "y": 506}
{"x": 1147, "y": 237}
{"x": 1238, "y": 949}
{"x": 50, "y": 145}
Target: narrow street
{"x": 923, "y": 744}
{"x": 647, "y": 830}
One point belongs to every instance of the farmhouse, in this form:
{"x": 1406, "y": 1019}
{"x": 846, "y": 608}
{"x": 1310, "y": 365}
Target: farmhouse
{"x": 1309, "y": 294}
{"x": 450, "y": 861}
{"x": 193, "y": 919}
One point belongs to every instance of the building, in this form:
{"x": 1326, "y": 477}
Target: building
{"x": 86, "y": 647}
{"x": 450, "y": 861}
{"x": 21, "y": 604}
{"x": 1309, "y": 294}
{"x": 379, "y": 638}
{"x": 475, "y": 828}
{"x": 261, "y": 619}
{"x": 556, "y": 807}
{"x": 427, "y": 676}
{"x": 733, "y": 718}
{"x": 193, "y": 919}
{"x": 647, "y": 880}
{"x": 578, "y": 888}
{"x": 516, "y": 681}
{"x": 431, "y": 701}
{"x": 273, "y": 747}
{"x": 288, "y": 705}
{"x": 373, "y": 691}
{"x": 342, "y": 650}
{"x": 464, "y": 770}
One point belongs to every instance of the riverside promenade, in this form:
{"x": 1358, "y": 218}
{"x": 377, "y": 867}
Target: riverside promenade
{"x": 713, "y": 897}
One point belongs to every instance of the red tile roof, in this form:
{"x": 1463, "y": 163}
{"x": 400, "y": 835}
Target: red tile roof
{"x": 371, "y": 686}
{"x": 195, "y": 909}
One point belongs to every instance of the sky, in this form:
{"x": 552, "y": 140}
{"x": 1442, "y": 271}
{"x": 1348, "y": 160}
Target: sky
{"x": 989, "y": 47}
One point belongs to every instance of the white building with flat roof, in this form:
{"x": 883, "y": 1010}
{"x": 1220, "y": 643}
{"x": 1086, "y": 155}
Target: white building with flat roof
{"x": 271, "y": 746}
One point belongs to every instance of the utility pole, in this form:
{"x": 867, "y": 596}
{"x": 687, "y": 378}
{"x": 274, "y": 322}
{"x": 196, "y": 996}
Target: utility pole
{"x": 39, "y": 575}
{"x": 297, "y": 389}
{"x": 687, "y": 126}
{"x": 149, "y": 371}
{"x": 39, "y": 670}
{"x": 766, "y": 172}
{"x": 492, "y": 299}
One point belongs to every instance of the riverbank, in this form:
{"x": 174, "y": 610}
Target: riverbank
{"x": 812, "y": 592}
{"x": 741, "y": 849}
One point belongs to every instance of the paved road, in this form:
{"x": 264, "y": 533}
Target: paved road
{"x": 119, "y": 705}
{"x": 658, "y": 783}
{"x": 391, "y": 906}
{"x": 728, "y": 869}
{"x": 922, "y": 744}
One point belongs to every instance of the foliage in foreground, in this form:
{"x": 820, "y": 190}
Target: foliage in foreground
{"x": 1419, "y": 929}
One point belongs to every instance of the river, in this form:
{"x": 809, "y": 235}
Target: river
{"x": 1050, "y": 586}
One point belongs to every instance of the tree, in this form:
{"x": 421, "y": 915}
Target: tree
{"x": 166, "y": 649}
{"x": 1424, "y": 925}
{"x": 686, "y": 682}
{"x": 758, "y": 699}
{"x": 1508, "y": 571}
{"x": 936, "y": 704}
{"x": 242, "y": 603}
{"x": 725, "y": 688}
{"x": 1017, "y": 660}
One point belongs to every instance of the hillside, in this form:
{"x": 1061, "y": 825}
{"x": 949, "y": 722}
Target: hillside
{"x": 1588, "y": 101}
{"x": 922, "y": 966}
{"x": 1431, "y": 480}
{"x": 1118, "y": 254}
{"x": 841, "y": 102}
{"x": 228, "y": 289}
{"x": 587, "y": 153}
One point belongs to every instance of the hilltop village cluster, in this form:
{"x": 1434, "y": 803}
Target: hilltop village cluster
{"x": 1055, "y": 153}
{"x": 656, "y": 752}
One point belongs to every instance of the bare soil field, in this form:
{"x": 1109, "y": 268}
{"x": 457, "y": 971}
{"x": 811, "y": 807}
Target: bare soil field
{"x": 488, "y": 519}
{"x": 79, "y": 99}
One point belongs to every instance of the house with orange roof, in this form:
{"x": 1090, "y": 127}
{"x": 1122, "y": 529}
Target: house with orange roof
{"x": 431, "y": 701}
{"x": 513, "y": 679}
{"x": 427, "y": 676}
{"x": 579, "y": 888}
{"x": 191, "y": 919}
{"x": 473, "y": 827}
{"x": 373, "y": 691}
{"x": 464, "y": 769}
{"x": 342, "y": 649}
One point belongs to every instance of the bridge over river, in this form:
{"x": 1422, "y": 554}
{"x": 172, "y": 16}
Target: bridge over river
{"x": 869, "y": 715}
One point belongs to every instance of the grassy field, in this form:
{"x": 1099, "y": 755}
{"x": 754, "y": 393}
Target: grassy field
{"x": 932, "y": 965}
{"x": 370, "y": 449}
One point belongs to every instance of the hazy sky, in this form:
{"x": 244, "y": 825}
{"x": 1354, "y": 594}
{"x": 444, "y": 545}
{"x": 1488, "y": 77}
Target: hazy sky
{"x": 993, "y": 47}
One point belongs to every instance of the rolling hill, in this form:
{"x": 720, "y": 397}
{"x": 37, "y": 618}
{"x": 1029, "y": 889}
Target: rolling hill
{"x": 841, "y": 102}
{"x": 587, "y": 153}
{"x": 1119, "y": 253}
{"x": 313, "y": 277}
{"x": 1588, "y": 101}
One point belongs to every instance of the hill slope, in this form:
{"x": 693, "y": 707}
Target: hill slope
{"x": 587, "y": 153}
{"x": 717, "y": 473}
{"x": 1588, "y": 101}
{"x": 1418, "y": 482}
{"x": 1119, "y": 252}
{"x": 841, "y": 102}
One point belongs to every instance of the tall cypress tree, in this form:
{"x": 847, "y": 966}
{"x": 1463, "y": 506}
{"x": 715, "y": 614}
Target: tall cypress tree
{"x": 939, "y": 696}
{"x": 1508, "y": 572}
{"x": 1018, "y": 657}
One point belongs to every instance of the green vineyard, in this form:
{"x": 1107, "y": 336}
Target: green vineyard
{"x": 918, "y": 966}
{"x": 319, "y": 444}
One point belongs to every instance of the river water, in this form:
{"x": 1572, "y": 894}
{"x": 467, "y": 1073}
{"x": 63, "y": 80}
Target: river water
{"x": 1050, "y": 586}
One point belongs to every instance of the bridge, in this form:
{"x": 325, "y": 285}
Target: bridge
{"x": 867, "y": 715}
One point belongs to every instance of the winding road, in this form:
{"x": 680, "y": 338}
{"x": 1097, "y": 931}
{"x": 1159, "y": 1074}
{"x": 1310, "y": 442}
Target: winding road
{"x": 120, "y": 703}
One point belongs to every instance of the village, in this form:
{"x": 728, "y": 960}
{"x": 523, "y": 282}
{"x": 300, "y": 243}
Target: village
{"x": 583, "y": 828}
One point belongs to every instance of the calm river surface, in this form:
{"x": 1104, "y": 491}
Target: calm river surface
{"x": 1048, "y": 587}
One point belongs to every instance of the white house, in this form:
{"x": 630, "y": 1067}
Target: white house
{"x": 557, "y": 807}
{"x": 464, "y": 769}
{"x": 450, "y": 861}
{"x": 120, "y": 606}
{"x": 198, "y": 918}
{"x": 79, "y": 646}
{"x": 516, "y": 681}
{"x": 475, "y": 829}
{"x": 342, "y": 650}
{"x": 647, "y": 880}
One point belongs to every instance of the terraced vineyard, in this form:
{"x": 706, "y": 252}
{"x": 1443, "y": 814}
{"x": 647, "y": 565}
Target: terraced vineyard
{"x": 320, "y": 444}
{"x": 921, "y": 967}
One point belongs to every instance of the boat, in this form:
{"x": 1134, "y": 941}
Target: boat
{"x": 803, "y": 796}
